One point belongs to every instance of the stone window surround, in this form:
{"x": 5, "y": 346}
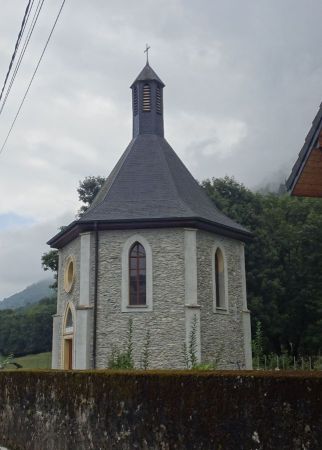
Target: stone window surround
{"x": 216, "y": 309}
{"x": 69, "y": 307}
{"x": 66, "y": 334}
{"x": 126, "y": 307}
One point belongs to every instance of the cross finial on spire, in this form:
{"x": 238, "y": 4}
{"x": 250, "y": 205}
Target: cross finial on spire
{"x": 147, "y": 48}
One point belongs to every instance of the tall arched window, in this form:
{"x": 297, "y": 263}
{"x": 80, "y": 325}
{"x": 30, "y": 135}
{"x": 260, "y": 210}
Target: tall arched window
{"x": 69, "y": 327}
{"x": 220, "y": 279}
{"x": 146, "y": 98}
{"x": 68, "y": 339}
{"x": 137, "y": 274}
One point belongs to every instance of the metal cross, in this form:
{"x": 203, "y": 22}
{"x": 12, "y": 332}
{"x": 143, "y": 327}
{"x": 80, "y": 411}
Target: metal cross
{"x": 147, "y": 48}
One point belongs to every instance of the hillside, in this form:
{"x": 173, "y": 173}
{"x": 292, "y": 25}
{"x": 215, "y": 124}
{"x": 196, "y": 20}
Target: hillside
{"x": 31, "y": 294}
{"x": 27, "y": 330}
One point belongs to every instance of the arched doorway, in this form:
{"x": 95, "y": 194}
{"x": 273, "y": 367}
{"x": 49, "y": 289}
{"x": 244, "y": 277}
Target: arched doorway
{"x": 68, "y": 339}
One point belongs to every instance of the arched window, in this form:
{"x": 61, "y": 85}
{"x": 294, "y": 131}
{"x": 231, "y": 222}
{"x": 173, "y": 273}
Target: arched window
{"x": 137, "y": 274}
{"x": 69, "y": 324}
{"x": 220, "y": 280}
{"x": 146, "y": 98}
{"x": 68, "y": 338}
{"x": 135, "y": 100}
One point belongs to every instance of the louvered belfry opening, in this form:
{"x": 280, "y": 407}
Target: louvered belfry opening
{"x": 147, "y": 103}
{"x": 146, "y": 98}
{"x": 159, "y": 101}
{"x": 135, "y": 101}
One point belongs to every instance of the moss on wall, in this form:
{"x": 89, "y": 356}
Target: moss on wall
{"x": 44, "y": 410}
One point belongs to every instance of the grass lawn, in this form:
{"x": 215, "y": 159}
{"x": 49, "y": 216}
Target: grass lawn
{"x": 38, "y": 361}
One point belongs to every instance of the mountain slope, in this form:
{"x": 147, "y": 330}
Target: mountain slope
{"x": 32, "y": 294}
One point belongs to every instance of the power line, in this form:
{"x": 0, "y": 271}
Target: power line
{"x": 33, "y": 76}
{"x": 23, "y": 51}
{"x": 22, "y": 29}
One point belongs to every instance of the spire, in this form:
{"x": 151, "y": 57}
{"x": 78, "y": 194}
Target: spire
{"x": 147, "y": 101}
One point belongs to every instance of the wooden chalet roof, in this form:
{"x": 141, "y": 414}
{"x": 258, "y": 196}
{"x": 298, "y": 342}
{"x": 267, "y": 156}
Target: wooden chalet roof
{"x": 306, "y": 177}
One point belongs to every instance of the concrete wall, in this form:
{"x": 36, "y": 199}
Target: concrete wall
{"x": 160, "y": 410}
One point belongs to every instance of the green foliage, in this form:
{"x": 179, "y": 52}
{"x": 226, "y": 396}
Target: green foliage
{"x": 190, "y": 351}
{"x": 87, "y": 191}
{"x": 49, "y": 261}
{"x": 206, "y": 366}
{"x": 27, "y": 330}
{"x": 146, "y": 351}
{"x": 283, "y": 263}
{"x": 123, "y": 359}
{"x": 257, "y": 342}
{"x": 6, "y": 361}
{"x": 38, "y": 361}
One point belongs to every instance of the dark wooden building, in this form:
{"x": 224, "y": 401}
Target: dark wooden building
{"x": 306, "y": 177}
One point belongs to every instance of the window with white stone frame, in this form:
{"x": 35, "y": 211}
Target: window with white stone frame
{"x": 136, "y": 275}
{"x": 220, "y": 280}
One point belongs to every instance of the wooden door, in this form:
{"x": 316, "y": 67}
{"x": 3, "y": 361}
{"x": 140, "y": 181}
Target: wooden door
{"x": 68, "y": 354}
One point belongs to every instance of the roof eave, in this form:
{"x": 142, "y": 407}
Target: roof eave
{"x": 77, "y": 227}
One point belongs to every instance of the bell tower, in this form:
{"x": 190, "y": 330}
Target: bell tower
{"x": 147, "y": 103}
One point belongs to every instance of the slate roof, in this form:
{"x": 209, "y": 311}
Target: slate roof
{"x": 147, "y": 74}
{"x": 150, "y": 181}
{"x": 309, "y": 144}
{"x": 150, "y": 187}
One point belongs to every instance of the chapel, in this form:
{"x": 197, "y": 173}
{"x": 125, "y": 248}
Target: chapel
{"x": 152, "y": 258}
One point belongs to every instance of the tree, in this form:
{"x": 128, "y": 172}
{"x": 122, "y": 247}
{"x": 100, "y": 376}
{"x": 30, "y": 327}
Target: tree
{"x": 283, "y": 263}
{"x": 87, "y": 190}
{"x": 49, "y": 261}
{"x": 28, "y": 329}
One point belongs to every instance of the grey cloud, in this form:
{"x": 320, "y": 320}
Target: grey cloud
{"x": 253, "y": 64}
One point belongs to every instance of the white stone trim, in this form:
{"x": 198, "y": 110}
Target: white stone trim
{"x": 126, "y": 307}
{"x": 247, "y": 340}
{"x": 56, "y": 339}
{"x": 65, "y": 335}
{"x": 243, "y": 276}
{"x": 190, "y": 266}
{"x": 82, "y": 338}
{"x": 225, "y": 308}
{"x": 69, "y": 284}
{"x": 84, "y": 272}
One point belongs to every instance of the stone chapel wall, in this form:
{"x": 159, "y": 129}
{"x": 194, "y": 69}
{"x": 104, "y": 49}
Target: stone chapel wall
{"x": 167, "y": 320}
{"x": 222, "y": 336}
{"x": 73, "y": 249}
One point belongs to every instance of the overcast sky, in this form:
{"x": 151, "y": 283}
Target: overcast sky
{"x": 243, "y": 84}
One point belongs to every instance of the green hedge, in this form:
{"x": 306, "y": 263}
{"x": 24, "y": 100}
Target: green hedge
{"x": 44, "y": 410}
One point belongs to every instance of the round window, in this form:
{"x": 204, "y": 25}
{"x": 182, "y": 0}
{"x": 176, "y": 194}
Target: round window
{"x": 69, "y": 274}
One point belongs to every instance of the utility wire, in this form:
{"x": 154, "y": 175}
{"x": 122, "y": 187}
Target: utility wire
{"x": 23, "y": 51}
{"x": 33, "y": 76}
{"x": 22, "y": 29}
